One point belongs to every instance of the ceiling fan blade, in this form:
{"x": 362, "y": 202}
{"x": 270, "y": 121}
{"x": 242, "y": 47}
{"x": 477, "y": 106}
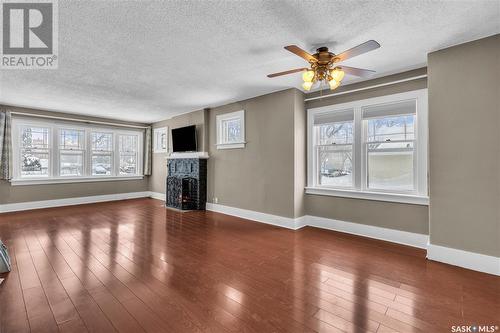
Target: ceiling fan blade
{"x": 357, "y": 50}
{"x": 287, "y": 72}
{"x": 357, "y": 71}
{"x": 301, "y": 53}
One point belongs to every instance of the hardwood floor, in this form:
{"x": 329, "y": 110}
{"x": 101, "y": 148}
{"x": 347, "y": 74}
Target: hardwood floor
{"x": 132, "y": 266}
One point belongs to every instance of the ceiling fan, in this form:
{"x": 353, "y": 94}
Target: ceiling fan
{"x": 324, "y": 65}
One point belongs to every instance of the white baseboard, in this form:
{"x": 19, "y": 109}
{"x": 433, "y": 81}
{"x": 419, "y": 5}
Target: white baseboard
{"x": 386, "y": 234}
{"x": 280, "y": 221}
{"x": 475, "y": 261}
{"x": 13, "y": 207}
{"x": 158, "y": 195}
{"x": 391, "y": 235}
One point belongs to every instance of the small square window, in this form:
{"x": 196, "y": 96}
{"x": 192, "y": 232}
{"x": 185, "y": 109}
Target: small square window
{"x": 160, "y": 139}
{"x": 231, "y": 130}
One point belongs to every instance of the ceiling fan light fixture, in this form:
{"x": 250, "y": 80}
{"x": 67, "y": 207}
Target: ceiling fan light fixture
{"x": 337, "y": 74}
{"x": 333, "y": 84}
{"x": 324, "y": 65}
{"x": 308, "y": 76}
{"x": 307, "y": 85}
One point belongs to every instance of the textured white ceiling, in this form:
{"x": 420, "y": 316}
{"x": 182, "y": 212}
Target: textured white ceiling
{"x": 150, "y": 60}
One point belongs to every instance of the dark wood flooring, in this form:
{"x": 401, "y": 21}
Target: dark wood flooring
{"x": 133, "y": 266}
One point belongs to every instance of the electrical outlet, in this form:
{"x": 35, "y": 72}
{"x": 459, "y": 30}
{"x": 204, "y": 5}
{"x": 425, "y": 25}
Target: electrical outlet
{"x": 216, "y": 200}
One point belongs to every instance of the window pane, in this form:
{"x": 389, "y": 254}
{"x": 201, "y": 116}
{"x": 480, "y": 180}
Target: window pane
{"x": 232, "y": 130}
{"x": 335, "y": 133}
{"x": 101, "y": 165}
{"x": 390, "y": 166}
{"x": 335, "y": 165}
{"x": 128, "y": 155}
{"x": 71, "y": 164}
{"x": 162, "y": 140}
{"x": 128, "y": 164}
{"x": 71, "y": 139}
{"x": 391, "y": 128}
{"x": 35, "y": 137}
{"x": 102, "y": 141}
{"x": 128, "y": 143}
{"x": 34, "y": 163}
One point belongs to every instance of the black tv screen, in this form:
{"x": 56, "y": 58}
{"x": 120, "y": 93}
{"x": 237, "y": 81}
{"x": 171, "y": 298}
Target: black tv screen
{"x": 184, "y": 139}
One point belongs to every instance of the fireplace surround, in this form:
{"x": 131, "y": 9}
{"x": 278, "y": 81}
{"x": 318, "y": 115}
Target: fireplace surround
{"x": 186, "y": 183}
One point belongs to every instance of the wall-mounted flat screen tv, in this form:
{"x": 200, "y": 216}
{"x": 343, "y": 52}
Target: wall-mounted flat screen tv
{"x": 184, "y": 139}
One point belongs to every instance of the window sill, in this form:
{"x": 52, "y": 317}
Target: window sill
{"x": 42, "y": 181}
{"x": 377, "y": 196}
{"x": 231, "y": 145}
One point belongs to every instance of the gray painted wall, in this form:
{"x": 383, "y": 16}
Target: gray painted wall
{"x": 412, "y": 218}
{"x": 464, "y": 118}
{"x": 268, "y": 175}
{"x": 159, "y": 174}
{"x": 15, "y": 194}
{"x": 261, "y": 176}
{"x": 300, "y": 130}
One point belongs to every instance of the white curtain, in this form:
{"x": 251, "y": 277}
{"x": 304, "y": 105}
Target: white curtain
{"x": 5, "y": 144}
{"x": 148, "y": 144}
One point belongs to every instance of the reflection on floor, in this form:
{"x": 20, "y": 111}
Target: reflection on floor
{"x": 132, "y": 266}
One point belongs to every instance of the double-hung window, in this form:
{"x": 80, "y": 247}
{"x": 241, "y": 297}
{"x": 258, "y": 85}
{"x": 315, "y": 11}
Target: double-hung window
{"x": 71, "y": 152}
{"x": 128, "y": 150}
{"x": 51, "y": 152}
{"x": 102, "y": 153}
{"x": 389, "y": 146}
{"x": 334, "y": 149}
{"x": 370, "y": 149}
{"x": 34, "y": 151}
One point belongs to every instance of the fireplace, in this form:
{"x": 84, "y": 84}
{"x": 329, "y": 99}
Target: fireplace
{"x": 186, "y": 183}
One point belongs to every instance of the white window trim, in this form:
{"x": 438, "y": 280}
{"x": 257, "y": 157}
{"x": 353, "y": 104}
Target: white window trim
{"x": 53, "y": 174}
{"x": 359, "y": 190}
{"x": 219, "y": 121}
{"x": 159, "y": 131}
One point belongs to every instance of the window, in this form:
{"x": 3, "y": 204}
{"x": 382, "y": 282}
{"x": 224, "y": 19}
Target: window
{"x": 160, "y": 140}
{"x": 102, "y": 153}
{"x": 71, "y": 152}
{"x": 390, "y": 146}
{"x": 128, "y": 154}
{"x": 371, "y": 149}
{"x": 35, "y": 151}
{"x": 231, "y": 130}
{"x": 334, "y": 148}
{"x": 67, "y": 152}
